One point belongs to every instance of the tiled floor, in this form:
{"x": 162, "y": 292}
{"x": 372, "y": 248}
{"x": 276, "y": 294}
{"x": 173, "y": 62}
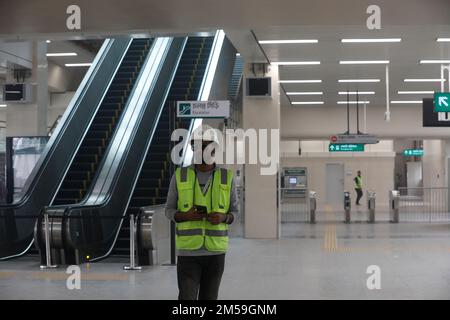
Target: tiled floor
{"x": 322, "y": 261}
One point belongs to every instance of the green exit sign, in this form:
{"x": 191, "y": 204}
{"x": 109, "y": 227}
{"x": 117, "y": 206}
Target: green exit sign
{"x": 413, "y": 153}
{"x": 346, "y": 147}
{"x": 442, "y": 102}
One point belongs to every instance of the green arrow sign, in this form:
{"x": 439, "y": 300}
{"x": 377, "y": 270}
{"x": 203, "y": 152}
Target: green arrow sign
{"x": 442, "y": 102}
{"x": 413, "y": 153}
{"x": 346, "y": 147}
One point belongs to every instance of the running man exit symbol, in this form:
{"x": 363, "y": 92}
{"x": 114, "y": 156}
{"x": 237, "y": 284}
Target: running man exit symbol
{"x": 442, "y": 102}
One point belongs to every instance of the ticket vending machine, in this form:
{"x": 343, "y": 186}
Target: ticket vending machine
{"x": 294, "y": 182}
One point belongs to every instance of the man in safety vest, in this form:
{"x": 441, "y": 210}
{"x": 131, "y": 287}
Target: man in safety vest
{"x": 358, "y": 187}
{"x": 202, "y": 202}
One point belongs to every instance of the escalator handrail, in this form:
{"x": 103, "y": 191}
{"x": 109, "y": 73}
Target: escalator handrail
{"x": 107, "y": 195}
{"x": 108, "y": 148}
{"x": 129, "y": 41}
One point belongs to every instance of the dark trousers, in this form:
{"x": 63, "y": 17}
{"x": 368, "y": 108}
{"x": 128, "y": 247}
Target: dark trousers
{"x": 359, "y": 195}
{"x": 199, "y": 277}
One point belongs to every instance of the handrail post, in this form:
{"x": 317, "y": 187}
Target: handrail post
{"x": 133, "y": 236}
{"x": 48, "y": 261}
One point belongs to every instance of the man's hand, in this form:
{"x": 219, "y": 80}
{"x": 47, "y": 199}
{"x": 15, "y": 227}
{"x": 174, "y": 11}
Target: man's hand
{"x": 216, "y": 218}
{"x": 191, "y": 215}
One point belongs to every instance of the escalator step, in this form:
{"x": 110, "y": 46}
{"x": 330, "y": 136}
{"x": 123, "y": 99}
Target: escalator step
{"x": 113, "y": 100}
{"x": 100, "y": 127}
{"x": 94, "y": 142}
{"x": 97, "y": 134}
{"x": 90, "y": 150}
{"x": 103, "y": 120}
{"x": 63, "y": 201}
{"x": 77, "y": 175}
{"x": 79, "y": 166}
{"x": 74, "y": 184}
{"x": 70, "y": 193}
{"x": 117, "y": 93}
{"x": 108, "y": 112}
{"x": 111, "y": 106}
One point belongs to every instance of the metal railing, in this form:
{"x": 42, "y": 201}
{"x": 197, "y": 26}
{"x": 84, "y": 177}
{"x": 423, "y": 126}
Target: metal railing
{"x": 424, "y": 204}
{"x": 294, "y": 204}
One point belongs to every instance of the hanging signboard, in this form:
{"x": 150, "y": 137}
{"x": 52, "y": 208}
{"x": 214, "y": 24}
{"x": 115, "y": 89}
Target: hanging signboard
{"x": 203, "y": 109}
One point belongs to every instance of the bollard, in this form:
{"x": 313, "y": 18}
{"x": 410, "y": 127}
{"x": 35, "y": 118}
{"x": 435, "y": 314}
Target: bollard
{"x": 48, "y": 257}
{"x": 394, "y": 199}
{"x": 347, "y": 206}
{"x": 371, "y": 206}
{"x": 133, "y": 236}
{"x": 312, "y": 206}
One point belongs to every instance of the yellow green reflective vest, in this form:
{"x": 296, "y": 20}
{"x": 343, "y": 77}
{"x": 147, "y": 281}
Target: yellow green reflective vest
{"x": 358, "y": 182}
{"x": 192, "y": 235}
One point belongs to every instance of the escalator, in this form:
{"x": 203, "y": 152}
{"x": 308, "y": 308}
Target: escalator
{"x": 152, "y": 184}
{"x": 137, "y": 167}
{"x": 18, "y": 220}
{"x": 85, "y": 164}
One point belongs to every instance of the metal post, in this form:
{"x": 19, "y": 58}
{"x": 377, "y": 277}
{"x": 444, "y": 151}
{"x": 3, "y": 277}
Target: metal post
{"x": 371, "y": 206}
{"x": 347, "y": 206}
{"x": 132, "y": 265}
{"x": 394, "y": 197}
{"x": 312, "y": 207}
{"x": 48, "y": 257}
{"x": 357, "y": 112}
{"x": 388, "y": 110}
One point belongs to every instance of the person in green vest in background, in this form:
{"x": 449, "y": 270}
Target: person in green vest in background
{"x": 202, "y": 202}
{"x": 358, "y": 187}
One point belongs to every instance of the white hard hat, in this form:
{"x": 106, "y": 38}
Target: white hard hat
{"x": 205, "y": 133}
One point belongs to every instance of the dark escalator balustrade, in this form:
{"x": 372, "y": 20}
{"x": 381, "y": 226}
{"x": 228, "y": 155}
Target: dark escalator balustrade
{"x": 85, "y": 164}
{"x": 154, "y": 179}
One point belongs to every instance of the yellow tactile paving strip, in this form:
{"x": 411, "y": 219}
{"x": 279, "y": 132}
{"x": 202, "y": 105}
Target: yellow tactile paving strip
{"x": 330, "y": 243}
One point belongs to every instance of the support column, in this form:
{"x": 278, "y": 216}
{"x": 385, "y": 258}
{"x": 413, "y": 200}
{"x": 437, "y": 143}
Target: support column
{"x": 42, "y": 99}
{"x": 261, "y": 212}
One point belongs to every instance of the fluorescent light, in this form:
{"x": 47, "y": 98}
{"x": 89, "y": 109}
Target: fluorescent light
{"x": 2, "y": 105}
{"x": 434, "y": 61}
{"x": 423, "y": 80}
{"x": 238, "y": 54}
{"x": 78, "y": 64}
{"x": 304, "y": 93}
{"x": 406, "y": 102}
{"x": 287, "y": 41}
{"x": 296, "y": 63}
{"x": 358, "y": 80}
{"x": 300, "y": 81}
{"x": 364, "y": 62}
{"x": 353, "y": 102}
{"x": 306, "y": 102}
{"x": 62, "y": 54}
{"x": 416, "y": 92}
{"x": 443, "y": 40}
{"x": 371, "y": 40}
{"x": 354, "y": 92}
{"x": 48, "y": 41}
